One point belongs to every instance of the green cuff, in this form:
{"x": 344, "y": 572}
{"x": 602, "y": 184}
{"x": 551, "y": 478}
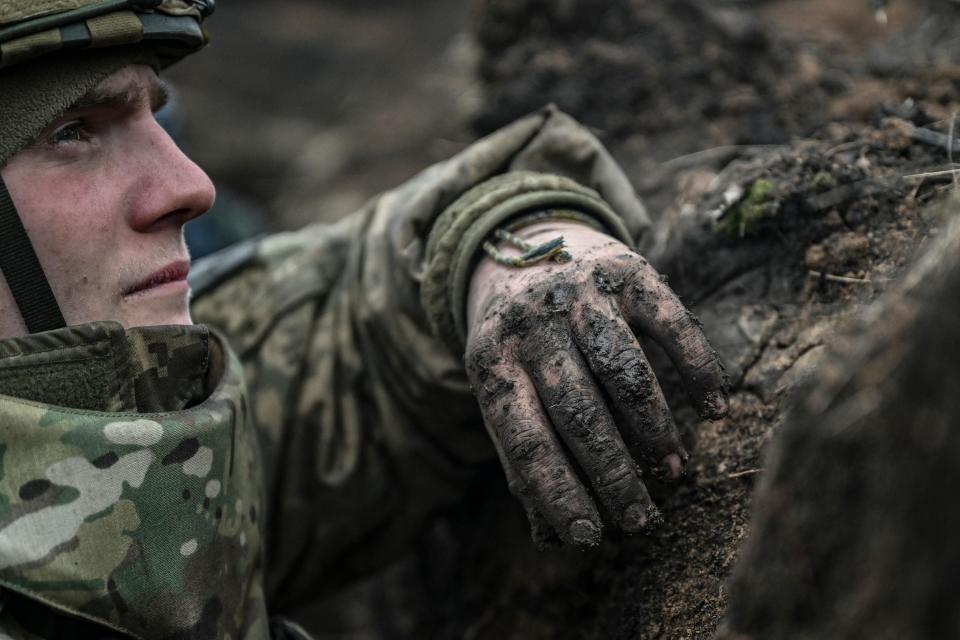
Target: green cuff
{"x": 462, "y": 228}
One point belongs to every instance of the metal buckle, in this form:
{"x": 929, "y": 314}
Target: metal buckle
{"x": 206, "y": 7}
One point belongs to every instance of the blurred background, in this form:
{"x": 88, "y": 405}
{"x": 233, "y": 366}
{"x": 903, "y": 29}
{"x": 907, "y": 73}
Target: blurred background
{"x": 301, "y": 110}
{"x": 307, "y": 108}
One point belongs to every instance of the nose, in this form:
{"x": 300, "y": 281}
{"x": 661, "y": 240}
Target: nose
{"x": 170, "y": 189}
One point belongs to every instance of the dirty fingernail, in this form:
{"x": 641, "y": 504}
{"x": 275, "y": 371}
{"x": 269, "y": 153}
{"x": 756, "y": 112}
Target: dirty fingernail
{"x": 672, "y": 466}
{"x": 635, "y": 517}
{"x": 585, "y": 533}
{"x": 715, "y": 405}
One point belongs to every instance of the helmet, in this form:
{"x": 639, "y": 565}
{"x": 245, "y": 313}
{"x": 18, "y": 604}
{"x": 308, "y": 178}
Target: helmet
{"x": 32, "y": 29}
{"x": 51, "y": 53}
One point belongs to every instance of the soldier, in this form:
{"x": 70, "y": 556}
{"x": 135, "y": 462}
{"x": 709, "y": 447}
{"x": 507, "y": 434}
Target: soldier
{"x": 164, "y": 479}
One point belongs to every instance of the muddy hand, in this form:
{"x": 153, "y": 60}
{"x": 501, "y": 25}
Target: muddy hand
{"x": 566, "y": 392}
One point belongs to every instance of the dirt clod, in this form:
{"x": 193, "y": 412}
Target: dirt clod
{"x": 607, "y": 282}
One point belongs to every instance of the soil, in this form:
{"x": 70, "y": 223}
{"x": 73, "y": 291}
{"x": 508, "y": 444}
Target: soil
{"x": 870, "y": 551}
{"x": 777, "y": 238}
{"x": 776, "y": 144}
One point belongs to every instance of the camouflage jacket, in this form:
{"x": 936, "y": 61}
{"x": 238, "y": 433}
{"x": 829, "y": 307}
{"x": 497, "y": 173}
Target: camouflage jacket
{"x": 130, "y": 487}
{"x": 364, "y": 422}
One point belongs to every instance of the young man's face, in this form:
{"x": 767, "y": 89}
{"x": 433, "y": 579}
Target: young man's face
{"x": 104, "y": 194}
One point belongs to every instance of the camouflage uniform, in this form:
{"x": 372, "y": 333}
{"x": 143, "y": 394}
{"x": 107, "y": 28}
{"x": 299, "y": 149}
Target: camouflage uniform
{"x": 159, "y": 505}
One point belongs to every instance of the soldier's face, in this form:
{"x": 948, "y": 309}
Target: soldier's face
{"x": 104, "y": 194}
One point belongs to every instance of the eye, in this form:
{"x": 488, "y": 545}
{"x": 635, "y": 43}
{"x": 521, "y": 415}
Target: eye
{"x": 71, "y": 133}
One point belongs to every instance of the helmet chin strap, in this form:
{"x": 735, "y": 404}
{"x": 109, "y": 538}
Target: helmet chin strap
{"x": 24, "y": 275}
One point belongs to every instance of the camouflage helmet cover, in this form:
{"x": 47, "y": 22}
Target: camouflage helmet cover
{"x": 33, "y": 28}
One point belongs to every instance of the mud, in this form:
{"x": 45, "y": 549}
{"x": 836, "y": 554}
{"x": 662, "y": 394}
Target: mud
{"x": 606, "y": 282}
{"x": 641, "y": 411}
{"x": 871, "y": 553}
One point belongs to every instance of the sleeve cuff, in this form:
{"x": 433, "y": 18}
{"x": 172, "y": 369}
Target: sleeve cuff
{"x": 461, "y": 229}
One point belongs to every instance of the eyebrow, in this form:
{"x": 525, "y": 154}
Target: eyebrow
{"x": 126, "y": 97}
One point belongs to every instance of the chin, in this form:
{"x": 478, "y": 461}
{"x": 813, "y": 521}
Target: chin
{"x": 147, "y": 311}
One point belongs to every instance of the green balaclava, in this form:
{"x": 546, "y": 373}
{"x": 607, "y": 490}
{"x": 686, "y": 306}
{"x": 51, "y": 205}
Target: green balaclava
{"x": 52, "y": 52}
{"x": 37, "y": 93}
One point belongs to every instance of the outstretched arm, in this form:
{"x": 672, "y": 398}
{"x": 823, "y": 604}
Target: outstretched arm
{"x": 368, "y": 423}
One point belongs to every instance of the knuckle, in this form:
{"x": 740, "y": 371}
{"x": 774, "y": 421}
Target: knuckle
{"x": 637, "y": 270}
{"x": 617, "y": 479}
{"x": 609, "y": 277}
{"x": 516, "y": 322}
{"x": 524, "y": 443}
{"x": 576, "y": 406}
{"x": 492, "y": 390}
{"x": 674, "y": 320}
{"x": 630, "y": 362}
{"x": 562, "y": 495}
{"x": 560, "y": 298}
{"x": 483, "y": 353}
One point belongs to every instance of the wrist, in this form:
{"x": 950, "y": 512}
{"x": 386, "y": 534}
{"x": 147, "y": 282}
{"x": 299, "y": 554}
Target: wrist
{"x": 463, "y": 228}
{"x": 536, "y": 232}
{"x": 491, "y": 278}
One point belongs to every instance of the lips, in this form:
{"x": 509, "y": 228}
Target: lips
{"x": 173, "y": 272}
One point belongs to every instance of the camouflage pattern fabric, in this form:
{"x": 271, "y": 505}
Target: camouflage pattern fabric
{"x": 366, "y": 420}
{"x": 147, "y": 522}
{"x": 162, "y": 27}
{"x": 101, "y": 367}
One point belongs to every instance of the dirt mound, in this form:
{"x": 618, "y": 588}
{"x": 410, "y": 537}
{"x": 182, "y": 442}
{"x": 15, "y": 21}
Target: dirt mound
{"x": 644, "y": 67}
{"x": 853, "y": 535}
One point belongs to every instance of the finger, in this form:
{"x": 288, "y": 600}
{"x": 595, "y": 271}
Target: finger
{"x": 513, "y": 414}
{"x": 541, "y": 531}
{"x": 650, "y": 306}
{"x": 543, "y": 534}
{"x": 619, "y": 364}
{"x": 579, "y": 413}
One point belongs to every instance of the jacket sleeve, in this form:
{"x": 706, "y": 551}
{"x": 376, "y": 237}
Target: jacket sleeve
{"x": 367, "y": 422}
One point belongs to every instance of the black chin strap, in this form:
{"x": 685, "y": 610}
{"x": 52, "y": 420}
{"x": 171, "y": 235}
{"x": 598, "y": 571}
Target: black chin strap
{"x": 23, "y": 273}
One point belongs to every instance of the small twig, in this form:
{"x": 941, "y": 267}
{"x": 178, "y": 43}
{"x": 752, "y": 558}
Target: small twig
{"x": 853, "y": 144}
{"x": 846, "y": 279}
{"x": 745, "y": 472}
{"x": 932, "y": 174}
{"x": 706, "y": 156}
{"x": 833, "y": 278}
{"x": 927, "y": 136}
{"x": 953, "y": 122}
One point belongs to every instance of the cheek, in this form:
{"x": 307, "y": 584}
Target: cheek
{"x": 73, "y": 233}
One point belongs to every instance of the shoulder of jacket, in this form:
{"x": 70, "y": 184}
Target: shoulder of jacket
{"x": 212, "y": 270}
